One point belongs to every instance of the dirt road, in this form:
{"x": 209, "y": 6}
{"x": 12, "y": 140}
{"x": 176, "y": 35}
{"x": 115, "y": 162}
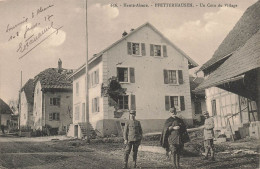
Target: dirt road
{"x": 77, "y": 154}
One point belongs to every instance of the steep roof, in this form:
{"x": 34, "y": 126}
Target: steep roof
{"x": 245, "y": 28}
{"x": 195, "y": 82}
{"x": 191, "y": 61}
{"x": 52, "y": 78}
{"x": 28, "y": 89}
{"x": 4, "y": 108}
{"x": 245, "y": 59}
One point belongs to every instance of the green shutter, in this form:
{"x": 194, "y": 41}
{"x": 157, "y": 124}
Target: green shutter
{"x": 151, "y": 50}
{"x": 132, "y": 75}
{"x": 182, "y": 103}
{"x": 129, "y": 49}
{"x": 180, "y": 76}
{"x": 164, "y": 51}
{"x": 167, "y": 103}
{"x": 133, "y": 106}
{"x": 143, "y": 49}
{"x": 165, "y": 75}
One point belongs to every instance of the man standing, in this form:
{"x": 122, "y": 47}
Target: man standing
{"x": 208, "y": 135}
{"x": 133, "y": 135}
{"x": 174, "y": 136}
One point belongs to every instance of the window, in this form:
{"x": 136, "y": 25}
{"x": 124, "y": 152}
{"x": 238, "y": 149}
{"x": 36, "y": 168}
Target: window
{"x": 55, "y": 101}
{"x": 123, "y": 74}
{"x": 175, "y": 101}
{"x": 198, "y": 107}
{"x": 137, "y": 49}
{"x": 77, "y": 88}
{"x": 54, "y": 116}
{"x": 94, "y": 78}
{"x": 214, "y": 108}
{"x": 123, "y": 102}
{"x": 76, "y": 112}
{"x": 95, "y": 105}
{"x": 173, "y": 77}
{"x": 158, "y": 50}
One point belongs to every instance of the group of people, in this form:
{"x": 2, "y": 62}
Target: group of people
{"x": 173, "y": 137}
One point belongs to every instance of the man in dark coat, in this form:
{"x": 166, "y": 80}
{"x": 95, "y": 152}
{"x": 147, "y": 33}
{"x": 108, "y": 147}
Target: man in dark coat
{"x": 173, "y": 137}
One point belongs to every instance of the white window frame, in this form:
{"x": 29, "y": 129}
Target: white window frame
{"x": 177, "y": 77}
{"x": 128, "y": 73}
{"x": 51, "y": 101}
{"x": 96, "y": 105}
{"x": 52, "y": 115}
{"x": 178, "y": 108}
{"x": 140, "y": 49}
{"x": 129, "y": 102}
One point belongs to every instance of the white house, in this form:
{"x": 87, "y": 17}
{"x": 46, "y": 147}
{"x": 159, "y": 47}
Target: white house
{"x": 26, "y": 96}
{"x": 53, "y": 100}
{"x": 154, "y": 73}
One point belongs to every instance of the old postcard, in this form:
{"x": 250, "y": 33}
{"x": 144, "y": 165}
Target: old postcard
{"x": 84, "y": 82}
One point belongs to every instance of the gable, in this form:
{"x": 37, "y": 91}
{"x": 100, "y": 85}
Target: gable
{"x": 156, "y": 33}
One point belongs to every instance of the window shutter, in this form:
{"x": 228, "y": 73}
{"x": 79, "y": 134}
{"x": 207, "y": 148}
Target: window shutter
{"x": 133, "y": 107}
{"x": 164, "y": 51}
{"x": 129, "y": 49}
{"x": 180, "y": 75}
{"x": 58, "y": 116}
{"x": 165, "y": 75}
{"x": 50, "y": 116}
{"x": 132, "y": 75}
{"x": 167, "y": 103}
{"x": 97, "y": 77}
{"x": 182, "y": 103}
{"x": 92, "y": 105}
{"x": 143, "y": 49}
{"x": 151, "y": 50}
{"x": 98, "y": 104}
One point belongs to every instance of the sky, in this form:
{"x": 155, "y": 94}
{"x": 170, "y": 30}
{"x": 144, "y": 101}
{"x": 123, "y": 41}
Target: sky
{"x": 56, "y": 29}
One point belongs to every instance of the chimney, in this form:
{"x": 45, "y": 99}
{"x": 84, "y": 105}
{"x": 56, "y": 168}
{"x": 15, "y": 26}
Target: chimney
{"x": 124, "y": 33}
{"x": 59, "y": 66}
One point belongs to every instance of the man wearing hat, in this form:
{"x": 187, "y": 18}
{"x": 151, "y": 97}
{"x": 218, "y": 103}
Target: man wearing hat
{"x": 208, "y": 135}
{"x": 133, "y": 135}
{"x": 174, "y": 136}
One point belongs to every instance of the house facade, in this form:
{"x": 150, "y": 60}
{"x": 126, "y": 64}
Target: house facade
{"x": 26, "y": 102}
{"x": 52, "y": 107}
{"x": 232, "y": 113}
{"x": 232, "y": 79}
{"x": 154, "y": 74}
{"x": 5, "y": 114}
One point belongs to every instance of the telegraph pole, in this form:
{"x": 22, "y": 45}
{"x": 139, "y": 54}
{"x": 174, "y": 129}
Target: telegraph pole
{"x": 86, "y": 83}
{"x": 19, "y": 109}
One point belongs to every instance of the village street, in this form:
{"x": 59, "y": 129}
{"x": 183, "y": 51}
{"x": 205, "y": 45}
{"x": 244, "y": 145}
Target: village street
{"x": 62, "y": 152}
